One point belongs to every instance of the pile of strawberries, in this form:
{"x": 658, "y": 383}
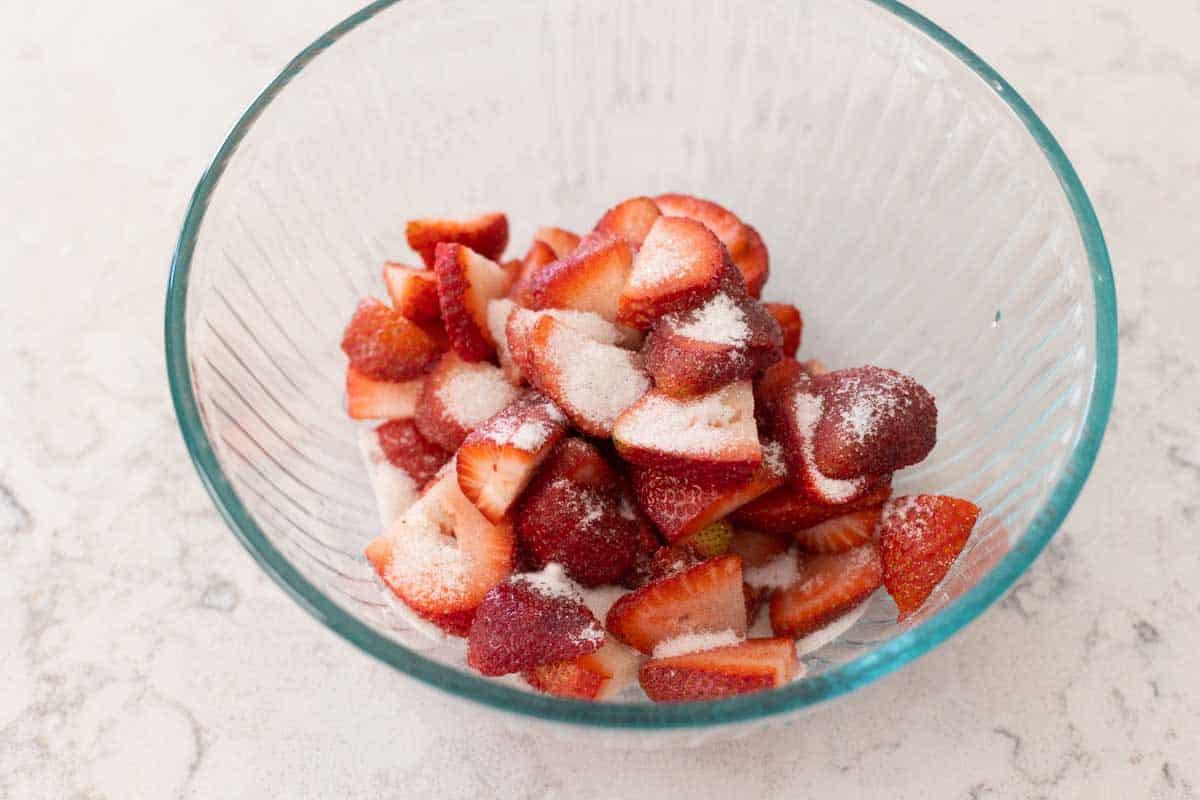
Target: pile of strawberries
{"x": 623, "y": 469}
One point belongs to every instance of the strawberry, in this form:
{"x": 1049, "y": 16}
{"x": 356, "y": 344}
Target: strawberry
{"x": 710, "y": 438}
{"x": 562, "y": 242}
{"x": 522, "y": 624}
{"x": 724, "y": 340}
{"x": 788, "y": 509}
{"x": 790, "y": 323}
{"x": 751, "y": 666}
{"x": 413, "y": 291}
{"x": 873, "y": 421}
{"x": 590, "y": 381}
{"x": 467, "y": 282}
{"x": 383, "y": 345}
{"x": 574, "y": 513}
{"x": 631, "y": 220}
{"x": 756, "y": 548}
{"x": 394, "y": 488}
{"x": 827, "y": 586}
{"x": 590, "y": 278}
{"x": 407, "y": 449}
{"x": 970, "y": 566}
{"x": 498, "y": 313}
{"x": 680, "y": 265}
{"x": 920, "y": 536}
{"x": 644, "y": 560}
{"x": 772, "y": 390}
{"x": 745, "y": 246}
{"x": 594, "y": 676}
{"x": 486, "y": 234}
{"x": 537, "y": 256}
{"x": 754, "y": 263}
{"x": 371, "y": 399}
{"x": 703, "y": 598}
{"x": 498, "y": 458}
{"x": 457, "y": 396}
{"x": 442, "y": 556}
{"x": 840, "y": 533}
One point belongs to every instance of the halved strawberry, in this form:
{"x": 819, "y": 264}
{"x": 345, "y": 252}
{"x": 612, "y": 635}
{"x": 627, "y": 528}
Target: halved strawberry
{"x": 680, "y": 265}
{"x": 413, "y": 291}
{"x": 790, "y": 323}
{"x": 536, "y": 257}
{"x": 788, "y": 509}
{"x": 443, "y": 556}
{"x": 522, "y": 624}
{"x": 406, "y": 448}
{"x": 701, "y": 599}
{"x": 840, "y": 533}
{"x": 751, "y": 666}
{"x": 710, "y": 438}
{"x": 383, "y": 345}
{"x": 757, "y": 548}
{"x": 486, "y": 234}
{"x": 873, "y": 421}
{"x": 457, "y": 396}
{"x": 725, "y": 339}
{"x": 721, "y": 221}
{"x": 594, "y": 676}
{"x": 497, "y": 459}
{"x": 467, "y": 282}
{"x": 827, "y": 586}
{"x": 631, "y": 219}
{"x": 590, "y": 278}
{"x": 562, "y": 242}
{"x": 590, "y": 381}
{"x": 920, "y": 536}
{"x": 754, "y": 262}
{"x": 371, "y": 399}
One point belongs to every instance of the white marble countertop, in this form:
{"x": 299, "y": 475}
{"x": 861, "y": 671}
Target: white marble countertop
{"x": 123, "y": 598}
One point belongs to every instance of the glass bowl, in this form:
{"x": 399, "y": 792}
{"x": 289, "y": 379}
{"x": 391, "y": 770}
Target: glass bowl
{"x": 916, "y": 209}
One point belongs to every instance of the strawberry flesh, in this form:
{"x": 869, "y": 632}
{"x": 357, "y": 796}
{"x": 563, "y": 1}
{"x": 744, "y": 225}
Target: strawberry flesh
{"x": 486, "y": 234}
{"x": 920, "y": 536}
{"x": 751, "y": 666}
{"x": 787, "y": 510}
{"x": 826, "y": 587}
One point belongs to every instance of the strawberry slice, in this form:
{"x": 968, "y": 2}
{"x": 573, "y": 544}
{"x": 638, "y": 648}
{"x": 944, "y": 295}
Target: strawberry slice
{"x": 710, "y": 438}
{"x": 827, "y": 586}
{"x": 751, "y": 666}
{"x": 754, "y": 263}
{"x": 406, "y": 448}
{"x": 457, "y": 397}
{"x": 371, "y": 399}
{"x": 498, "y": 313}
{"x": 497, "y": 459}
{"x": 536, "y": 257}
{"x": 562, "y": 242}
{"x": 840, "y": 534}
{"x": 757, "y": 548}
{"x": 467, "y": 282}
{"x": 486, "y": 234}
{"x": 790, "y": 323}
{"x": 590, "y": 278}
{"x": 594, "y": 676}
{"x": 383, "y": 345}
{"x": 788, "y": 509}
{"x": 442, "y": 556}
{"x": 724, "y": 340}
{"x": 705, "y": 598}
{"x": 873, "y": 421}
{"x": 920, "y": 536}
{"x": 413, "y": 291}
{"x": 590, "y": 381}
{"x": 746, "y": 248}
{"x": 680, "y": 265}
{"x": 631, "y": 220}
{"x": 527, "y": 621}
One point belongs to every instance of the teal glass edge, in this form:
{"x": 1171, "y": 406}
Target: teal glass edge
{"x": 803, "y": 694}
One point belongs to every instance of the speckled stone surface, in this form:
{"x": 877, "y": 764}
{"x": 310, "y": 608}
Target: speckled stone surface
{"x": 143, "y": 654}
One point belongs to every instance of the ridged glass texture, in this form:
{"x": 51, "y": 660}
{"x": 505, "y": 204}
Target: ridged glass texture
{"x": 915, "y": 209}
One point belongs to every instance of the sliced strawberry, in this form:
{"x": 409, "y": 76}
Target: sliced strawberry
{"x": 772, "y": 391}
{"x": 680, "y": 265}
{"x": 536, "y": 257}
{"x": 590, "y": 278}
{"x": 840, "y": 534}
{"x": 873, "y": 421}
{"x": 594, "y": 676}
{"x": 724, "y": 223}
{"x": 467, "y": 282}
{"x": 457, "y": 397}
{"x": 562, "y": 242}
{"x": 920, "y": 536}
{"x": 395, "y": 490}
{"x": 590, "y": 381}
{"x": 443, "y": 556}
{"x": 710, "y": 438}
{"x": 592, "y": 325}
{"x": 407, "y": 449}
{"x": 754, "y": 263}
{"x": 827, "y": 586}
{"x": 790, "y": 323}
{"x": 710, "y": 541}
{"x": 751, "y": 666}
{"x": 371, "y": 399}
{"x": 631, "y": 220}
{"x": 486, "y": 234}
{"x": 644, "y": 561}
{"x": 413, "y": 291}
{"x": 814, "y": 367}
{"x": 757, "y": 548}
{"x": 701, "y": 599}
{"x": 497, "y": 459}
{"x": 724, "y": 340}
{"x": 498, "y": 313}
{"x": 789, "y": 509}
{"x": 383, "y": 345}
{"x": 522, "y": 624}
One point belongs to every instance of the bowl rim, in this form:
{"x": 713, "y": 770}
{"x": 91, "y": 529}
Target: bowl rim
{"x": 839, "y": 680}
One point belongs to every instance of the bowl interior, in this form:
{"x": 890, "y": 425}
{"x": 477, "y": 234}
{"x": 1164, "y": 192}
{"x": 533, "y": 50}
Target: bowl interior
{"x": 914, "y": 208}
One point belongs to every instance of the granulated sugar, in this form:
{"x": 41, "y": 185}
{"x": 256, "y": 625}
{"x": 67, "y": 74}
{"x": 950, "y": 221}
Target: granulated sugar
{"x": 663, "y": 255}
{"x": 426, "y": 560}
{"x": 870, "y": 404}
{"x": 552, "y": 581}
{"x": 599, "y": 599}
{"x": 823, "y": 636}
{"x": 719, "y": 321}
{"x": 395, "y": 490}
{"x": 908, "y": 513}
{"x": 773, "y": 460}
{"x": 707, "y": 424}
{"x": 695, "y": 643}
{"x": 474, "y": 392}
{"x": 597, "y": 381}
{"x": 808, "y": 409}
{"x": 778, "y": 573}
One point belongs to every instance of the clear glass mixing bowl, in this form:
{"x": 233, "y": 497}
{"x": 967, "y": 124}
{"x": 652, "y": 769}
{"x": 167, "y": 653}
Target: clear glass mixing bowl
{"x": 915, "y": 207}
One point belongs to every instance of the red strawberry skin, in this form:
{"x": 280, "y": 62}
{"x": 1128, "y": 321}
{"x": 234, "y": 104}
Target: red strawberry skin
{"x": 367, "y": 398}
{"x": 788, "y": 509}
{"x": 561, "y": 241}
{"x": 466, "y": 283}
{"x": 590, "y": 278}
{"x": 407, "y": 449}
{"x": 920, "y": 536}
{"x": 746, "y": 247}
{"x": 631, "y": 219}
{"x": 790, "y": 323}
{"x": 827, "y": 586}
{"x": 385, "y": 346}
{"x": 752, "y": 666}
{"x": 840, "y": 533}
{"x": 413, "y": 291}
{"x": 754, "y": 263}
{"x": 486, "y": 234}
{"x": 518, "y": 627}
